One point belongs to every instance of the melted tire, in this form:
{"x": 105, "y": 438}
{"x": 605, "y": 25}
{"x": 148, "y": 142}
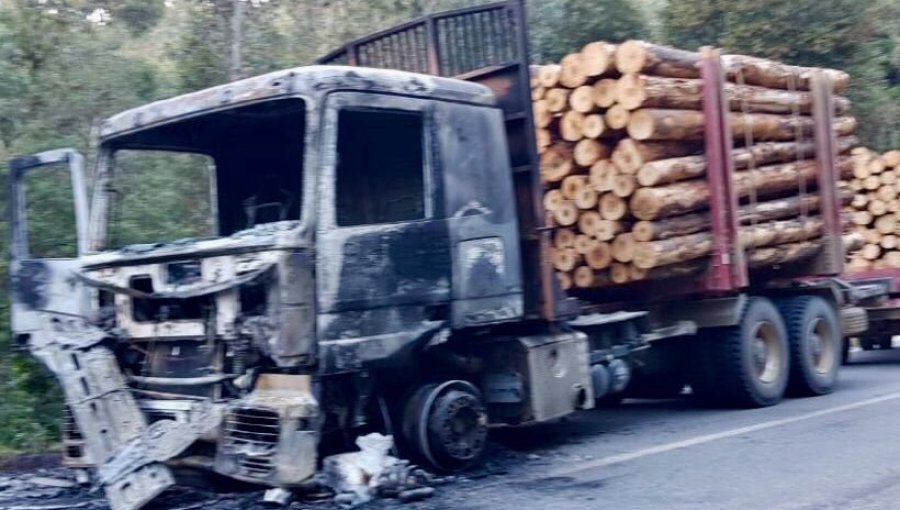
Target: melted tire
{"x": 814, "y": 336}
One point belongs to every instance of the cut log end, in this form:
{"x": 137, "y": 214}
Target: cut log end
{"x": 597, "y": 58}
{"x": 617, "y": 117}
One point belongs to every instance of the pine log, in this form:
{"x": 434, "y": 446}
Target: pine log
{"x": 586, "y": 198}
{"x": 557, "y": 100}
{"x": 668, "y": 228}
{"x": 624, "y": 185}
{"x": 862, "y": 218}
{"x": 665, "y": 272}
{"x": 870, "y": 251}
{"x": 888, "y": 241}
{"x": 556, "y": 163}
{"x": 537, "y": 93}
{"x": 570, "y": 126}
{"x": 564, "y": 238}
{"x": 602, "y": 174}
{"x": 687, "y": 196}
{"x": 891, "y": 159}
{"x": 766, "y": 73}
{"x": 600, "y": 256}
{"x": 552, "y": 199}
{"x": 630, "y": 155}
{"x": 892, "y": 259}
{"x": 584, "y": 243}
{"x": 634, "y": 57}
{"x": 623, "y": 247}
{"x": 860, "y": 169}
{"x": 588, "y": 223}
{"x": 606, "y": 230}
{"x": 877, "y": 207}
{"x": 782, "y": 254}
{"x": 612, "y": 207}
{"x": 638, "y": 91}
{"x": 543, "y": 117}
{"x": 886, "y": 224}
{"x": 618, "y": 273}
{"x": 888, "y": 177}
{"x": 593, "y": 126}
{"x": 566, "y": 259}
{"x": 598, "y": 58}
{"x": 605, "y": 93}
{"x": 664, "y": 171}
{"x": 589, "y": 151}
{"x": 566, "y": 214}
{"x": 617, "y": 117}
{"x": 582, "y": 99}
{"x": 762, "y": 212}
{"x": 572, "y": 73}
{"x": 543, "y": 139}
{"x": 587, "y": 278}
{"x": 572, "y": 184}
{"x": 871, "y": 183}
{"x": 548, "y": 75}
{"x": 780, "y": 232}
{"x": 648, "y": 255}
{"x": 657, "y": 124}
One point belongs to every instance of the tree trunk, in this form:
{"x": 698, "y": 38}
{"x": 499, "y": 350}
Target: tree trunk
{"x": 656, "y": 124}
{"x": 782, "y": 254}
{"x": 775, "y": 75}
{"x": 638, "y": 91}
{"x": 780, "y": 232}
{"x": 630, "y": 155}
{"x": 679, "y": 249}
{"x": 668, "y": 228}
{"x": 666, "y": 171}
{"x": 671, "y": 271}
{"x": 687, "y": 196}
{"x": 634, "y": 57}
{"x": 598, "y": 58}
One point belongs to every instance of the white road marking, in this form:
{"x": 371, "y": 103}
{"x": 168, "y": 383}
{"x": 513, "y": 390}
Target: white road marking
{"x": 708, "y": 438}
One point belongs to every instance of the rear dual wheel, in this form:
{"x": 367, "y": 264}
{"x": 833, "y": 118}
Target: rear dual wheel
{"x": 814, "y": 336}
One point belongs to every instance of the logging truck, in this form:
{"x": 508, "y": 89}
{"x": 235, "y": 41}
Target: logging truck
{"x": 385, "y": 253}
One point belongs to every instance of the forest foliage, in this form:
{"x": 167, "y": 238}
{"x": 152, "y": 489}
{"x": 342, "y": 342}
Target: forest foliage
{"x": 67, "y": 64}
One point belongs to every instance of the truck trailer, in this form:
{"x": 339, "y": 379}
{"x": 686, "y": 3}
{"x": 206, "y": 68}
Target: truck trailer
{"x": 379, "y": 262}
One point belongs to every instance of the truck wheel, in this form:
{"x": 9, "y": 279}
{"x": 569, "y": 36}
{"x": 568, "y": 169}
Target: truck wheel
{"x": 445, "y": 425}
{"x": 814, "y": 337}
{"x": 744, "y": 365}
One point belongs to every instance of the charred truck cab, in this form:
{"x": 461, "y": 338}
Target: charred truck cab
{"x": 373, "y": 262}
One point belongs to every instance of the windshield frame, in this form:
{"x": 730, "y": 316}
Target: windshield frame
{"x": 104, "y": 174}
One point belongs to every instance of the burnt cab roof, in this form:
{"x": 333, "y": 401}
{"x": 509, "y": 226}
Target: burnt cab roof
{"x": 306, "y": 81}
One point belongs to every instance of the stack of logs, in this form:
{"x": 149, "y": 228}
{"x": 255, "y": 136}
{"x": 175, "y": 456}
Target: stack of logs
{"x": 620, "y": 132}
{"x": 875, "y": 209}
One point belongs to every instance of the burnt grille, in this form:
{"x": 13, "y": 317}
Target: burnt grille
{"x": 251, "y": 434}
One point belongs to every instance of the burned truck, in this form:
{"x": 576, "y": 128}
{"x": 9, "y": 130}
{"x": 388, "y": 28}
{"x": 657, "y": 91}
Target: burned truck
{"x": 373, "y": 257}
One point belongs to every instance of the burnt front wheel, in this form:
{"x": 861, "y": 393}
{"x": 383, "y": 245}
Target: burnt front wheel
{"x": 445, "y": 425}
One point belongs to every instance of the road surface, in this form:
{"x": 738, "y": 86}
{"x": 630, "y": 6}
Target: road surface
{"x": 833, "y": 452}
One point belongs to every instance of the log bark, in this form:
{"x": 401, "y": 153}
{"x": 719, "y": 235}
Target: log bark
{"x": 780, "y": 232}
{"x": 670, "y": 251}
{"x": 782, "y": 254}
{"x": 687, "y": 196}
{"x": 634, "y": 57}
{"x": 638, "y": 91}
{"x": 664, "y": 171}
{"x": 657, "y": 124}
{"x": 766, "y": 73}
{"x": 598, "y": 58}
{"x": 630, "y": 155}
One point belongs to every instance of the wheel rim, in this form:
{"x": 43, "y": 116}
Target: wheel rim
{"x": 448, "y": 424}
{"x": 767, "y": 352}
{"x": 820, "y": 351}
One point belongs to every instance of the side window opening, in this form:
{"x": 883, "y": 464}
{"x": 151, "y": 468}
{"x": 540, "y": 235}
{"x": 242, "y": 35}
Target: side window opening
{"x": 380, "y": 175}
{"x": 50, "y": 213}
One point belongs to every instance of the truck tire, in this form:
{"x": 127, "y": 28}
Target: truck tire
{"x": 744, "y": 365}
{"x": 445, "y": 425}
{"x": 814, "y": 336}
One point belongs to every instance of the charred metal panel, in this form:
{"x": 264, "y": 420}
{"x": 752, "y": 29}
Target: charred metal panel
{"x": 481, "y": 213}
{"x": 295, "y": 343}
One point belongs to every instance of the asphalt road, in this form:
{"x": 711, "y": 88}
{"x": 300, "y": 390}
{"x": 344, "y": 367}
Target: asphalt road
{"x": 833, "y": 452}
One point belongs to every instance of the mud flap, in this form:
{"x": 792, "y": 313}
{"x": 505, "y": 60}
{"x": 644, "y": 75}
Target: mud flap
{"x": 129, "y": 453}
